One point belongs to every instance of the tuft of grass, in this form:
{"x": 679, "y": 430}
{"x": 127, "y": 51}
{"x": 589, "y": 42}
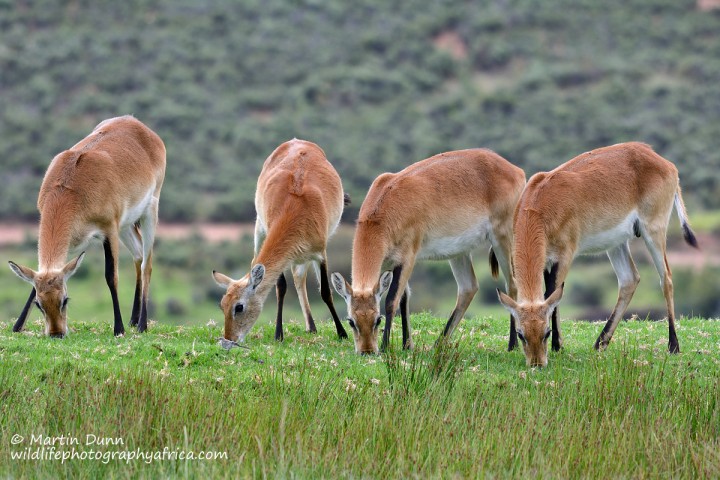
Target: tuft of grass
{"x": 310, "y": 408}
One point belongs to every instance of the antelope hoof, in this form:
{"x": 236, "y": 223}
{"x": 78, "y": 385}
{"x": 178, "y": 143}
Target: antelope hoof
{"x": 601, "y": 344}
{"x": 408, "y": 345}
{"x": 229, "y": 344}
{"x": 119, "y": 332}
{"x": 512, "y": 344}
{"x": 342, "y": 334}
{"x": 674, "y": 347}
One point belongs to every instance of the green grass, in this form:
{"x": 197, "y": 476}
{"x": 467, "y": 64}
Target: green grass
{"x": 311, "y": 408}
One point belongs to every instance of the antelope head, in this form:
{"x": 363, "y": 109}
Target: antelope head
{"x": 363, "y": 311}
{"x": 241, "y": 303}
{"x": 50, "y": 293}
{"x": 533, "y": 325}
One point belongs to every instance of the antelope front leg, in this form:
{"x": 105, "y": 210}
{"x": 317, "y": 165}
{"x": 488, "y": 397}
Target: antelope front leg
{"x": 20, "y": 323}
{"x": 326, "y": 295}
{"x": 110, "y": 246}
{"x": 405, "y": 315}
{"x": 390, "y": 306}
{"x": 550, "y": 286}
{"x": 401, "y": 275}
{"x": 130, "y": 237}
{"x": 501, "y": 241}
{"x": 512, "y": 342}
{"x": 280, "y": 289}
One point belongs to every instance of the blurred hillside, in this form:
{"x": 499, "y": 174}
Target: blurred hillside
{"x": 377, "y": 84}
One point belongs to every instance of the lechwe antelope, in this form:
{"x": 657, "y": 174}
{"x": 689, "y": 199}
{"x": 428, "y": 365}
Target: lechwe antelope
{"x": 594, "y": 203}
{"x": 105, "y": 187}
{"x": 439, "y": 208}
{"x": 299, "y": 200}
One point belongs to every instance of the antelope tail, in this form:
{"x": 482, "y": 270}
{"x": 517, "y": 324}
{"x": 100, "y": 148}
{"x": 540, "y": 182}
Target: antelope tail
{"x": 493, "y": 263}
{"x": 684, "y": 223}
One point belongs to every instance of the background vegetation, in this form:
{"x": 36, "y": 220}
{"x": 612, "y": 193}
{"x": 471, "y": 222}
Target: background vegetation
{"x": 377, "y": 84}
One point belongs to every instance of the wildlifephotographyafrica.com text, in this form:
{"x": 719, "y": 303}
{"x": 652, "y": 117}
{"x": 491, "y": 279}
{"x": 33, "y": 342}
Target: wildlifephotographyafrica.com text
{"x": 66, "y": 448}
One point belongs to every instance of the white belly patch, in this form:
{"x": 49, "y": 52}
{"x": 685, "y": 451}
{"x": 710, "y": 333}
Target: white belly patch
{"x": 133, "y": 213}
{"x": 443, "y": 247}
{"x": 608, "y": 239}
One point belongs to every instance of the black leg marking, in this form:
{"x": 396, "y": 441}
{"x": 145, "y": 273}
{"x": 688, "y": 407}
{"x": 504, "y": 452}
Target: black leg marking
{"x": 602, "y": 341}
{"x": 404, "y": 314}
{"x": 673, "y": 344}
{"x": 550, "y": 286}
{"x": 389, "y": 302}
{"x": 20, "y": 323}
{"x": 280, "y": 289}
{"x": 311, "y": 321}
{"x": 134, "y": 317}
{"x": 326, "y": 295}
{"x": 142, "y": 320}
{"x": 512, "y": 344}
{"x": 449, "y": 322}
{"x": 118, "y": 329}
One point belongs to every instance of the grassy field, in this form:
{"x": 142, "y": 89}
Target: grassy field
{"x": 310, "y": 408}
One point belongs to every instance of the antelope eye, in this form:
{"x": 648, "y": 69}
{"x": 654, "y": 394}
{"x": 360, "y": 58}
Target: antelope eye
{"x": 65, "y": 302}
{"x": 521, "y": 337}
{"x": 378, "y": 320}
{"x": 351, "y": 322}
{"x": 37, "y": 304}
{"x": 239, "y": 308}
{"x": 547, "y": 334}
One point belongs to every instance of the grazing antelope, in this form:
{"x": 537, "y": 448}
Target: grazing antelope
{"x": 299, "y": 201}
{"x": 105, "y": 187}
{"x": 594, "y": 203}
{"x": 439, "y": 208}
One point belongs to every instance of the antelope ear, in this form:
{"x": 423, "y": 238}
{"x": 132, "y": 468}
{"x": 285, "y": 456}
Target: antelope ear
{"x": 71, "y": 267}
{"x": 507, "y": 302}
{"x": 552, "y": 301}
{"x": 222, "y": 280}
{"x": 342, "y": 287}
{"x": 383, "y": 284}
{"x": 25, "y": 273}
{"x": 256, "y": 275}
